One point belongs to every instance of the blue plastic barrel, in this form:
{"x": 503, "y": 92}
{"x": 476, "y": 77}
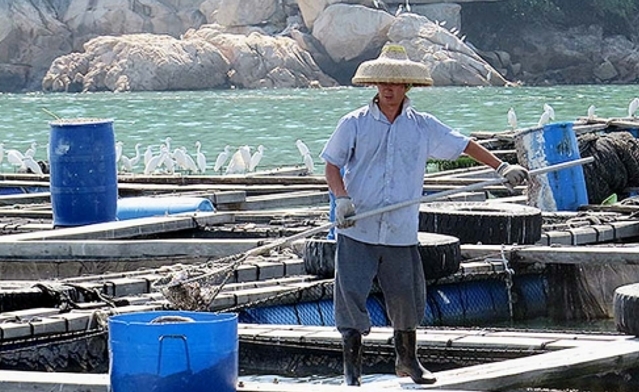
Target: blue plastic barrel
{"x": 83, "y": 172}
{"x": 140, "y": 207}
{"x": 173, "y": 351}
{"x": 561, "y": 190}
{"x": 467, "y": 302}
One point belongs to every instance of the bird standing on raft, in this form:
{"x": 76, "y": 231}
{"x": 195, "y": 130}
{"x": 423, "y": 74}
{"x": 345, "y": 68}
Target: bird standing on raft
{"x": 512, "y": 118}
{"x": 256, "y": 158}
{"x": 632, "y": 108}
{"x": 200, "y": 158}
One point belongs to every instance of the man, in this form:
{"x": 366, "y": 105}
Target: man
{"x": 382, "y": 149}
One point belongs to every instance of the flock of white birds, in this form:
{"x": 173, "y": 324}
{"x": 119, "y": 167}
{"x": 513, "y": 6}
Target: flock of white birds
{"x": 549, "y": 114}
{"x": 163, "y": 162}
{"x": 21, "y": 160}
{"x": 228, "y": 162}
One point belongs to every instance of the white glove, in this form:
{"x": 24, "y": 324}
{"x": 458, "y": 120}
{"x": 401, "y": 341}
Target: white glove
{"x": 514, "y": 174}
{"x": 344, "y": 208}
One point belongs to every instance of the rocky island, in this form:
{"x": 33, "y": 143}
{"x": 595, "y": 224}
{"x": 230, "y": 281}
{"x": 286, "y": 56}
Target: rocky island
{"x": 160, "y": 45}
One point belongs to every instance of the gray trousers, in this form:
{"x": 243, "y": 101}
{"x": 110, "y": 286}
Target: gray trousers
{"x": 400, "y": 275}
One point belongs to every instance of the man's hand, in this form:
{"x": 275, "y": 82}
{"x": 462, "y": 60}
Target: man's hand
{"x": 343, "y": 209}
{"x": 514, "y": 174}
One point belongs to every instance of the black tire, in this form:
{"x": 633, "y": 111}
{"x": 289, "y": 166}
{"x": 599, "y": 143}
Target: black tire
{"x": 625, "y": 305}
{"x": 440, "y": 254}
{"x": 319, "y": 257}
{"x": 482, "y": 222}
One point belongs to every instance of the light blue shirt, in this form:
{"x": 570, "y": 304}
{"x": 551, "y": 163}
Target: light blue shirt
{"x": 385, "y": 163}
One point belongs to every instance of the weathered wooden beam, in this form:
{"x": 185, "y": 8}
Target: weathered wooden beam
{"x": 542, "y": 369}
{"x": 556, "y": 254}
{"x": 127, "y": 228}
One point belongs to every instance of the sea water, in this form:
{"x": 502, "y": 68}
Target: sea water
{"x": 276, "y": 118}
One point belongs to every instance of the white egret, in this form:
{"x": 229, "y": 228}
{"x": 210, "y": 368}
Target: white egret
{"x": 407, "y": 6}
{"x": 148, "y": 154}
{"x": 190, "y": 163}
{"x": 236, "y": 164}
{"x": 400, "y": 9}
{"x": 126, "y": 164}
{"x": 136, "y": 159}
{"x": 180, "y": 159}
{"x": 550, "y": 110}
{"x": 118, "y": 150}
{"x": 30, "y": 164}
{"x": 308, "y": 162}
{"x": 512, "y": 118}
{"x": 632, "y": 108}
{"x": 544, "y": 119}
{"x": 200, "y": 158}
{"x": 245, "y": 152}
{"x": 221, "y": 158}
{"x": 1, "y": 152}
{"x": 302, "y": 148}
{"x": 153, "y": 163}
{"x": 256, "y": 158}
{"x": 591, "y": 112}
{"x": 31, "y": 151}
{"x": 167, "y": 160}
{"x": 15, "y": 157}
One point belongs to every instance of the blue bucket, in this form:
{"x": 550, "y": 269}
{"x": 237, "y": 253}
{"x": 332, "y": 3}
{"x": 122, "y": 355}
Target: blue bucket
{"x": 84, "y": 178}
{"x": 561, "y": 190}
{"x": 173, "y": 351}
{"x": 140, "y": 207}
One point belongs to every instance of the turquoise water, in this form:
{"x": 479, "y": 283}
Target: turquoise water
{"x": 276, "y": 118}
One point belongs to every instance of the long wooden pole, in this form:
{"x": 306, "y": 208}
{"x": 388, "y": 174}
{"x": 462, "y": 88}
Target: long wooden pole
{"x": 423, "y": 199}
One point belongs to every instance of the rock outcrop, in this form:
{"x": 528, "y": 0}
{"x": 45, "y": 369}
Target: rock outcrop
{"x": 121, "y": 45}
{"x": 139, "y": 62}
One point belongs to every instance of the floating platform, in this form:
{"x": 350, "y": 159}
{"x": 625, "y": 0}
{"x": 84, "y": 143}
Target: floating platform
{"x": 550, "y": 357}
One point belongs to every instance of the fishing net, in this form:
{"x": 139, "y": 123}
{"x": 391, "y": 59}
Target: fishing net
{"x": 195, "y": 287}
{"x": 616, "y": 164}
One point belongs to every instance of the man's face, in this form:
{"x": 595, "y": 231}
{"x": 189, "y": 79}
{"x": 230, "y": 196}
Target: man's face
{"x": 391, "y": 93}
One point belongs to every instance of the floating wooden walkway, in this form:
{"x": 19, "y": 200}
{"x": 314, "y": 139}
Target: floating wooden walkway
{"x": 16, "y": 381}
{"x": 561, "y": 355}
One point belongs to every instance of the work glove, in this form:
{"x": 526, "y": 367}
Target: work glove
{"x": 514, "y": 174}
{"x": 343, "y": 209}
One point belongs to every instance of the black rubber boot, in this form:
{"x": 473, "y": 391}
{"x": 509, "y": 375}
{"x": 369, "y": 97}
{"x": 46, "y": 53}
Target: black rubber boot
{"x": 352, "y": 340}
{"x": 406, "y": 363}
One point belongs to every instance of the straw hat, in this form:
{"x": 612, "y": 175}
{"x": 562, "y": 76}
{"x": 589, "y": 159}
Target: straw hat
{"x": 393, "y": 66}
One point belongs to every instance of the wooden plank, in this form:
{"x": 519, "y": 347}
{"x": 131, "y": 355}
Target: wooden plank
{"x": 557, "y": 254}
{"x": 67, "y": 259}
{"x": 20, "y": 381}
{"x": 25, "y": 213}
{"x": 25, "y": 198}
{"x": 458, "y": 338}
{"x": 228, "y": 180}
{"x": 290, "y": 199}
{"x": 64, "y": 250}
{"x": 538, "y": 370}
{"x": 127, "y": 228}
